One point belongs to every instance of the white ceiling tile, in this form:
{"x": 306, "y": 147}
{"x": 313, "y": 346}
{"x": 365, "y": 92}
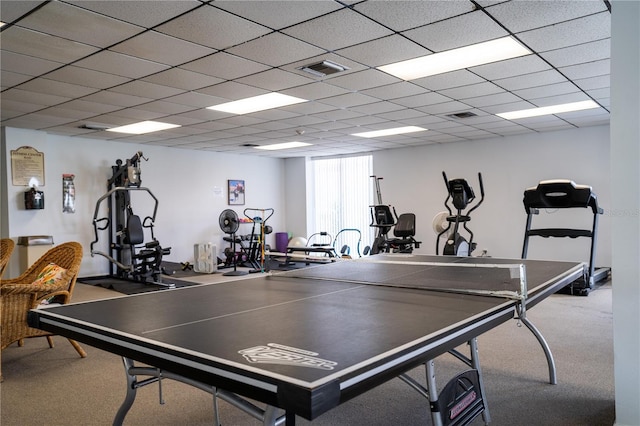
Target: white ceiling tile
{"x": 11, "y": 10}
{"x": 274, "y": 80}
{"x": 599, "y": 82}
{"x": 73, "y": 23}
{"x": 582, "y": 53}
{"x": 403, "y": 15}
{"x": 226, "y": 66}
{"x": 86, "y": 77}
{"x": 511, "y": 67}
{"x": 348, "y": 100}
{"x": 161, "y": 48}
{"x": 522, "y": 16}
{"x": 10, "y": 79}
{"x": 337, "y": 30}
{"x": 363, "y": 80}
{"x": 445, "y": 35}
{"x": 448, "y": 80}
{"x": 276, "y": 49}
{"x": 43, "y": 46}
{"x": 531, "y": 80}
{"x": 548, "y": 90}
{"x": 394, "y": 90}
{"x": 496, "y": 99}
{"x": 119, "y": 64}
{"x": 277, "y": 14}
{"x": 24, "y": 64}
{"x": 592, "y": 69}
{"x": 197, "y": 26}
{"x": 146, "y": 90}
{"x": 571, "y": 33}
{"x": 377, "y": 108}
{"x": 140, "y": 12}
{"x": 232, "y": 90}
{"x": 183, "y": 79}
{"x": 384, "y": 51}
{"x": 315, "y": 91}
{"x": 423, "y": 99}
{"x": 113, "y": 98}
{"x": 59, "y": 88}
{"x": 33, "y": 97}
{"x": 472, "y": 91}
{"x": 445, "y": 108}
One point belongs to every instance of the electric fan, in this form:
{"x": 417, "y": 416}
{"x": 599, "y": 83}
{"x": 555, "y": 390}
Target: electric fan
{"x": 229, "y": 223}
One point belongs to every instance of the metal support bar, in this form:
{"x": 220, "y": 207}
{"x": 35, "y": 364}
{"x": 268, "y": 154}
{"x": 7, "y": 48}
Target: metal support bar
{"x": 268, "y": 416}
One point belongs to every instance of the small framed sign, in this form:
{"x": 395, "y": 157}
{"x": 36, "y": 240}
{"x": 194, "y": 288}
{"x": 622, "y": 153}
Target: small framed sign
{"x": 236, "y": 192}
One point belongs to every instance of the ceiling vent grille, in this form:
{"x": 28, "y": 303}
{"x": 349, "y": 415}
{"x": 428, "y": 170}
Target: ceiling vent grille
{"x": 466, "y": 114}
{"x": 324, "y": 68}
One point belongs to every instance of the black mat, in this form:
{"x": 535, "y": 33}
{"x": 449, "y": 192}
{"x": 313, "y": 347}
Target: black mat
{"x": 134, "y": 287}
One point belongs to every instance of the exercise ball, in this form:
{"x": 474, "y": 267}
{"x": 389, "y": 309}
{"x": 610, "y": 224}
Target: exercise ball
{"x": 298, "y": 242}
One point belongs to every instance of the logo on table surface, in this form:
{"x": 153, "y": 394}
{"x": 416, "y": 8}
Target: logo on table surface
{"x": 274, "y": 353}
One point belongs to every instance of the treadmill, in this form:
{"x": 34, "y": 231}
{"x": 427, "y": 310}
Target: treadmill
{"x": 565, "y": 194}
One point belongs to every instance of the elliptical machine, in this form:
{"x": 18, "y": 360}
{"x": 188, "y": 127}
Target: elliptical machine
{"x": 461, "y": 195}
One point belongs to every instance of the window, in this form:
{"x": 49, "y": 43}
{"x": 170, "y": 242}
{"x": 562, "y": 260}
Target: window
{"x": 342, "y": 188}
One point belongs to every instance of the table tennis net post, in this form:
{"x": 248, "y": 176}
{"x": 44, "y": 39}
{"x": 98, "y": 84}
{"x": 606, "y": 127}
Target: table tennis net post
{"x": 484, "y": 279}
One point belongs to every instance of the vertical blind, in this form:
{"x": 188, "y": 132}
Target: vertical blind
{"x": 343, "y": 195}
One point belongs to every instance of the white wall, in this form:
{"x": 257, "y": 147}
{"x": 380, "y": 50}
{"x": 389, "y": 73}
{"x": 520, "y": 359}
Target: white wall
{"x": 413, "y": 182}
{"x": 191, "y": 187}
{"x": 625, "y": 176}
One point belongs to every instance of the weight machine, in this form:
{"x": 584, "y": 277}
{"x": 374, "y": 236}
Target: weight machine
{"x": 130, "y": 257}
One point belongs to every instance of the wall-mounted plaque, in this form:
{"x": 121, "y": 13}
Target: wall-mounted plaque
{"x": 27, "y": 165}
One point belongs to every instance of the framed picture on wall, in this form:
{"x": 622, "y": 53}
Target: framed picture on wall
{"x": 236, "y": 192}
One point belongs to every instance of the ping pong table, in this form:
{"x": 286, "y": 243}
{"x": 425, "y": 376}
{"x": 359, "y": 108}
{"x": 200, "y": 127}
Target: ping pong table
{"x": 303, "y": 342}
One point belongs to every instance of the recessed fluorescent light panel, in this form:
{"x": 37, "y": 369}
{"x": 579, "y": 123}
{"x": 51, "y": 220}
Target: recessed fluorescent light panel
{"x": 257, "y": 103}
{"x": 456, "y": 59}
{"x": 553, "y": 109}
{"x": 389, "y": 132}
{"x": 285, "y": 145}
{"x": 142, "y": 127}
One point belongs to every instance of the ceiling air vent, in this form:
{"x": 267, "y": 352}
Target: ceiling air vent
{"x": 324, "y": 68}
{"x": 462, "y": 115}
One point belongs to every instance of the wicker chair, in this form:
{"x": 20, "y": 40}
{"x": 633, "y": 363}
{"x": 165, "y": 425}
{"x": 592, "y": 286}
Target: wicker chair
{"x": 6, "y": 248}
{"x": 19, "y": 295}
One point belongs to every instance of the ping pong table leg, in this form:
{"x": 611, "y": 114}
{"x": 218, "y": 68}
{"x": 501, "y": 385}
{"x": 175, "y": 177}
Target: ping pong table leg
{"x": 545, "y": 346}
{"x": 130, "y": 396}
{"x": 475, "y": 363}
{"x": 436, "y": 415}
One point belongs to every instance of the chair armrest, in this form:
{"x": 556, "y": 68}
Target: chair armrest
{"x": 30, "y": 288}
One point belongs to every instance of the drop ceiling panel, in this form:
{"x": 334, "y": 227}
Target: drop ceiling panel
{"x": 213, "y": 28}
{"x": 276, "y": 49}
{"x": 404, "y": 15}
{"x": 522, "y": 16}
{"x": 44, "y": 46}
{"x": 447, "y": 34}
{"x": 139, "y": 12}
{"x": 117, "y": 62}
{"x": 571, "y": 33}
{"x": 161, "y": 48}
{"x": 337, "y": 30}
{"x": 277, "y": 14}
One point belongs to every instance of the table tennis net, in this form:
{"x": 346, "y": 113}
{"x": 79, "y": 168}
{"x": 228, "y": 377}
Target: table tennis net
{"x": 497, "y": 280}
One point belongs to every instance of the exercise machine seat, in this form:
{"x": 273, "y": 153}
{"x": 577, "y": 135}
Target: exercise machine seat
{"x": 135, "y": 233}
{"x": 404, "y": 233}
